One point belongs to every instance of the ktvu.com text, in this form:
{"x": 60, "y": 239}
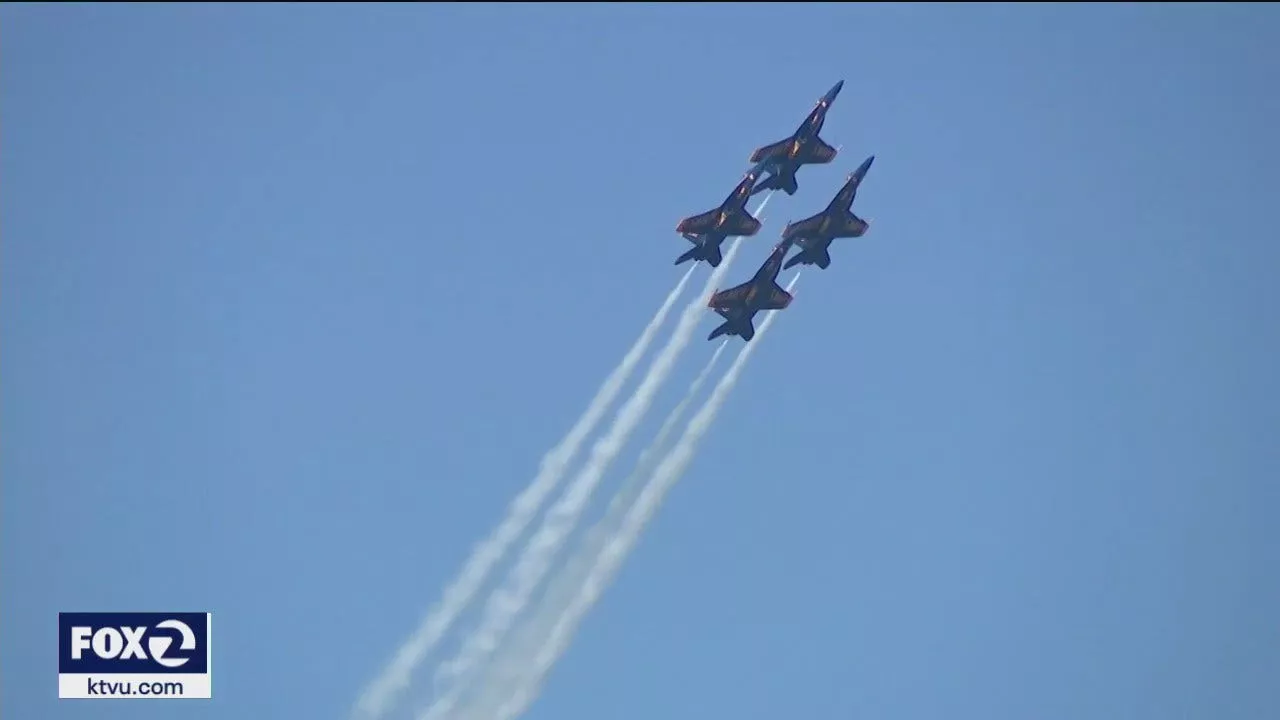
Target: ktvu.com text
{"x": 134, "y": 655}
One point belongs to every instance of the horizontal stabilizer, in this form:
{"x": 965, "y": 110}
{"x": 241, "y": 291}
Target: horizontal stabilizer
{"x": 744, "y": 329}
{"x": 709, "y": 253}
{"x": 786, "y": 184}
{"x": 819, "y": 257}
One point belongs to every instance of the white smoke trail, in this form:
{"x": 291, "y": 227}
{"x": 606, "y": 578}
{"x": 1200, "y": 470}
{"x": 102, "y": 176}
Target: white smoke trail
{"x": 507, "y": 668}
{"x": 609, "y": 561}
{"x": 383, "y": 690}
{"x": 509, "y": 601}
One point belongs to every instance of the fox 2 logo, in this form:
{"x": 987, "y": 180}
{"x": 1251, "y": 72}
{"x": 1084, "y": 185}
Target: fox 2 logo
{"x": 102, "y": 643}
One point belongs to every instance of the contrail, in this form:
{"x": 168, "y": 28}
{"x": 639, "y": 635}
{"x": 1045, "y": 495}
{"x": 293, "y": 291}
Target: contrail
{"x": 607, "y": 564}
{"x": 567, "y": 582}
{"x": 383, "y": 690}
{"x": 509, "y": 601}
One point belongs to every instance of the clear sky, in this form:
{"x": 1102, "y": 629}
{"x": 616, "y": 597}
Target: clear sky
{"x": 293, "y": 299}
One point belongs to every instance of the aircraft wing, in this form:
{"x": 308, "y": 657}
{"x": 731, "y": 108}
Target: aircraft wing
{"x": 698, "y": 224}
{"x": 853, "y": 224}
{"x": 820, "y": 153}
{"x": 777, "y": 299}
{"x": 804, "y": 228}
{"x": 731, "y": 298}
{"x": 770, "y": 151}
{"x": 741, "y": 225}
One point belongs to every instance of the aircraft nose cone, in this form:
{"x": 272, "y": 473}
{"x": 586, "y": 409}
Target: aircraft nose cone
{"x": 831, "y": 94}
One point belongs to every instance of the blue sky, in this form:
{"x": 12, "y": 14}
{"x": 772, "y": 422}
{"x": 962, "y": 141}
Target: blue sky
{"x": 294, "y": 298}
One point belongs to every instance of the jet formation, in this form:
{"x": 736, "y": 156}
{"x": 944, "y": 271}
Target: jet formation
{"x": 774, "y": 168}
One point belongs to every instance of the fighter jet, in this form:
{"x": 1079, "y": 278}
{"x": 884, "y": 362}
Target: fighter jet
{"x": 708, "y": 230}
{"x": 814, "y": 234}
{"x": 783, "y": 158}
{"x": 739, "y": 305}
